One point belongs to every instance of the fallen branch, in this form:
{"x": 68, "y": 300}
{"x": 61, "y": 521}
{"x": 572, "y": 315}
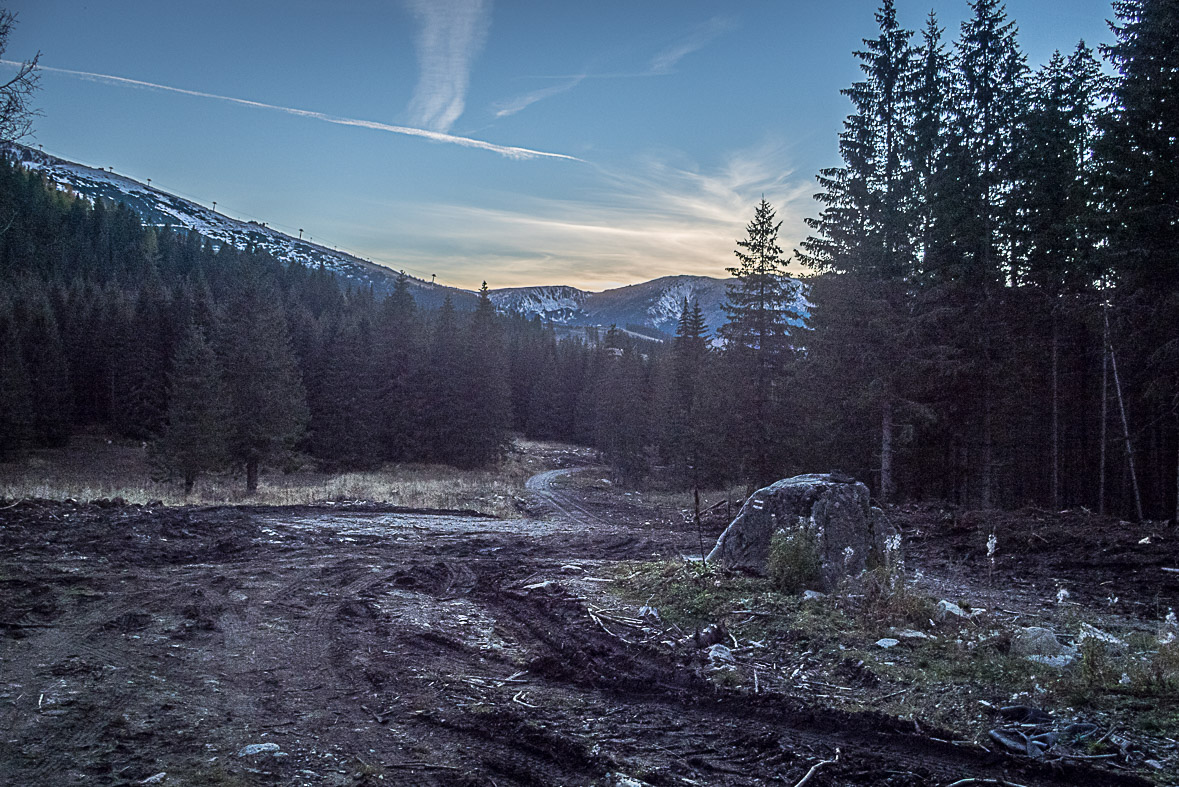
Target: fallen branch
{"x": 890, "y": 696}
{"x": 815, "y": 769}
{"x": 973, "y": 780}
{"x": 518, "y": 699}
{"x": 598, "y": 620}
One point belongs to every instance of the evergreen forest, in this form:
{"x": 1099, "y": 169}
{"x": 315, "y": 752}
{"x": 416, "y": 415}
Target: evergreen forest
{"x": 990, "y": 317}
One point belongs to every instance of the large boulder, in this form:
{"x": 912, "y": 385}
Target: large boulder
{"x": 831, "y": 511}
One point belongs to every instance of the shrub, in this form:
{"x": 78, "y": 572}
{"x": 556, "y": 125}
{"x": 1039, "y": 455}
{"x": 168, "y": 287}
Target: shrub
{"x": 794, "y": 560}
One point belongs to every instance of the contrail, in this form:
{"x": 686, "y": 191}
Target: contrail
{"x": 437, "y": 136}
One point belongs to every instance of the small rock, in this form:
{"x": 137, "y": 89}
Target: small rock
{"x": 946, "y": 609}
{"x": 1060, "y": 662}
{"x": 1158, "y": 766}
{"x": 719, "y": 655}
{"x": 888, "y": 642}
{"x": 156, "y": 779}
{"x": 1036, "y": 641}
{"x": 812, "y": 595}
{"x": 1111, "y": 643}
{"x": 912, "y": 634}
{"x": 622, "y": 780}
{"x": 258, "y": 748}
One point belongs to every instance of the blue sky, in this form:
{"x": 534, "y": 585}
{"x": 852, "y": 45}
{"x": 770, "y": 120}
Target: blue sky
{"x": 593, "y": 144}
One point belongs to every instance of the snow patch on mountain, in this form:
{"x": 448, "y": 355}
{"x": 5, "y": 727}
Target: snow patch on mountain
{"x": 560, "y": 304}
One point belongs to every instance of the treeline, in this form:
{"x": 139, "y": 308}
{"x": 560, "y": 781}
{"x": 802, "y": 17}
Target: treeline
{"x": 222, "y": 358}
{"x": 219, "y": 357}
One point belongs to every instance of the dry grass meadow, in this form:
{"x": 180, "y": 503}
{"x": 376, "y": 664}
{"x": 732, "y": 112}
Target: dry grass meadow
{"x": 95, "y": 466}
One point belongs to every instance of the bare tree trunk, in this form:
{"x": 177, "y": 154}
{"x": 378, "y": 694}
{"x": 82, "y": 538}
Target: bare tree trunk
{"x": 1104, "y": 416}
{"x": 1055, "y": 414}
{"x": 988, "y": 448}
{"x": 1113, "y": 365}
{"x": 189, "y": 481}
{"x": 252, "y": 476}
{"x": 699, "y": 527}
{"x": 886, "y": 482}
{"x": 1176, "y": 519}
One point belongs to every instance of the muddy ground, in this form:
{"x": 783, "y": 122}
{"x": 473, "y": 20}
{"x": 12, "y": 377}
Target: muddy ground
{"x": 354, "y": 644}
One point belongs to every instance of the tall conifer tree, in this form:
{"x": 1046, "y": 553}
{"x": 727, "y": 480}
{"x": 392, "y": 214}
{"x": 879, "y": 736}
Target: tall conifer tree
{"x": 761, "y": 307}
{"x": 268, "y": 405}
{"x": 195, "y": 435}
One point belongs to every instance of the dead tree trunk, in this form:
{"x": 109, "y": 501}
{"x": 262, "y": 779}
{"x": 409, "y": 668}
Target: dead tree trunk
{"x": 988, "y": 447}
{"x": 252, "y": 476}
{"x": 1113, "y": 365}
{"x": 886, "y": 482}
{"x": 1055, "y": 414}
{"x": 1104, "y": 416}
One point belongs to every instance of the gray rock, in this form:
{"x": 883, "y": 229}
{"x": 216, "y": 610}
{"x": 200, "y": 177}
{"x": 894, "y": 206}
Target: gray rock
{"x": 158, "y": 778}
{"x": 1108, "y": 642}
{"x": 833, "y": 511}
{"x": 720, "y": 655}
{"x": 1060, "y": 662}
{"x": 887, "y": 642}
{"x": 812, "y": 595}
{"x": 1036, "y": 641}
{"x": 258, "y": 748}
{"x": 948, "y": 609}
{"x": 912, "y": 634}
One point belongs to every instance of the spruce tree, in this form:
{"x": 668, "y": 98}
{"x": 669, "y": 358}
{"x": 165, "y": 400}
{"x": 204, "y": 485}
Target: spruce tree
{"x": 868, "y": 222}
{"x": 990, "y": 102}
{"x": 486, "y": 412}
{"x": 195, "y": 434}
{"x": 267, "y": 401}
{"x": 440, "y": 392}
{"x": 399, "y": 345}
{"x": 761, "y": 307}
{"x": 16, "y": 396}
{"x": 684, "y": 435}
{"x": 1139, "y": 147}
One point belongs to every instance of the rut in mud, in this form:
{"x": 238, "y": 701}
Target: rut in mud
{"x": 363, "y": 645}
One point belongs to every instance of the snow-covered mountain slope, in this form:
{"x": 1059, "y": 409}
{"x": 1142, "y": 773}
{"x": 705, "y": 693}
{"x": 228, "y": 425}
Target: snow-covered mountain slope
{"x": 161, "y": 209}
{"x": 653, "y": 306}
{"x": 559, "y": 304}
{"x": 650, "y": 309}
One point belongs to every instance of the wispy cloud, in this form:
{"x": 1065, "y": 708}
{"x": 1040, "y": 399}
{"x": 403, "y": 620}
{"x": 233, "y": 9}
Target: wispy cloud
{"x": 654, "y": 219}
{"x": 665, "y": 61}
{"x": 437, "y": 136}
{"x": 451, "y": 36}
{"x": 514, "y": 105}
{"x": 662, "y": 64}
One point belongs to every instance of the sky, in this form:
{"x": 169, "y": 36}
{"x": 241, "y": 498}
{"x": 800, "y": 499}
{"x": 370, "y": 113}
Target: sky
{"x": 519, "y": 143}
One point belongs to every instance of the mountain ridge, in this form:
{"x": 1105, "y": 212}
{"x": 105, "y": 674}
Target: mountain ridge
{"x": 651, "y": 308}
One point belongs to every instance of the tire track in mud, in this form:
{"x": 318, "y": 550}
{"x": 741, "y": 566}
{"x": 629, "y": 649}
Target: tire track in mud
{"x": 575, "y": 654}
{"x": 83, "y": 638}
{"x": 541, "y": 485}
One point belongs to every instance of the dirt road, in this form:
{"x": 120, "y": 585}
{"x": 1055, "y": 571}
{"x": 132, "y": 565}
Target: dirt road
{"x": 343, "y": 646}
